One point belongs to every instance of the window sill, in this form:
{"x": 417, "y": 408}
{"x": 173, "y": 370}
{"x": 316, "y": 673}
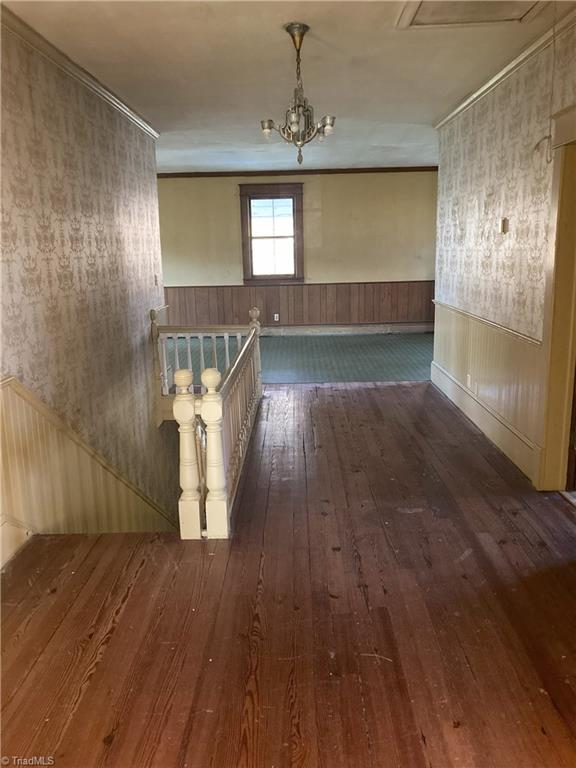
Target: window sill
{"x": 273, "y": 280}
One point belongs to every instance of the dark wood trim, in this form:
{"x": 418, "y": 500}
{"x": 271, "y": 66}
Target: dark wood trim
{"x": 298, "y": 172}
{"x": 273, "y": 280}
{"x": 261, "y": 191}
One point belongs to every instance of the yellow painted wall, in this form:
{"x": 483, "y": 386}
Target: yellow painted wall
{"x": 357, "y": 227}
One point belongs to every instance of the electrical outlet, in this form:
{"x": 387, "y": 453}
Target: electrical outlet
{"x": 276, "y": 317}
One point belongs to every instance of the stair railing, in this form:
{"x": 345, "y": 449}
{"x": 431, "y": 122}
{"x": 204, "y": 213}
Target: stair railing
{"x": 194, "y": 348}
{"x": 221, "y": 419}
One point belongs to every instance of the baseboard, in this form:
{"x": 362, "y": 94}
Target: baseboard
{"x": 346, "y": 330}
{"x": 13, "y": 535}
{"x": 570, "y": 496}
{"x": 519, "y": 449}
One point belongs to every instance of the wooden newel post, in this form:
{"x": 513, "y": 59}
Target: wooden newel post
{"x": 217, "y": 523}
{"x": 255, "y": 323}
{"x": 185, "y": 414}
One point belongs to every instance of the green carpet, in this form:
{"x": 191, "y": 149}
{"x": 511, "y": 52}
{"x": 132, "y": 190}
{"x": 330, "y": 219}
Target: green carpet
{"x": 303, "y": 359}
{"x": 366, "y": 357}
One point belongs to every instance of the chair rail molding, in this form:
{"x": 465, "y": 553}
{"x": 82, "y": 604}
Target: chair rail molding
{"x": 491, "y": 323}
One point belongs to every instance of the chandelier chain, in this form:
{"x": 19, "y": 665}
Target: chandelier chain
{"x": 298, "y": 71}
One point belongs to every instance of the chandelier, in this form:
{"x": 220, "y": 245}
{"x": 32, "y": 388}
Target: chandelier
{"x": 299, "y": 127}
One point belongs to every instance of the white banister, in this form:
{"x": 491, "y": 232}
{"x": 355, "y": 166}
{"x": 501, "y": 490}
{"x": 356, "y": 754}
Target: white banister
{"x": 255, "y": 323}
{"x": 189, "y": 504}
{"x": 214, "y": 427}
{"x": 217, "y": 522}
{"x": 164, "y": 366}
{"x": 176, "y": 360}
{"x": 227, "y": 350}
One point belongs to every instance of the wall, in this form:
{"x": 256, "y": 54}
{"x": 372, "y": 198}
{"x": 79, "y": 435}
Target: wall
{"x": 494, "y": 291}
{"x": 81, "y": 264}
{"x": 53, "y": 482}
{"x": 361, "y": 227}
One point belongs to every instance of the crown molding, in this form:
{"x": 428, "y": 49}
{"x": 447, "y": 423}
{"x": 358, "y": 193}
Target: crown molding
{"x": 297, "y": 172}
{"x": 16, "y": 26}
{"x": 562, "y": 26}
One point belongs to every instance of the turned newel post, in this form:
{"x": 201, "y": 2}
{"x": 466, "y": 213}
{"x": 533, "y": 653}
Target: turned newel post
{"x": 185, "y": 414}
{"x": 217, "y": 499}
{"x": 255, "y": 323}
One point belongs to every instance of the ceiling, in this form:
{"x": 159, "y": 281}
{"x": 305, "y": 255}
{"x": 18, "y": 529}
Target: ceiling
{"x": 205, "y": 73}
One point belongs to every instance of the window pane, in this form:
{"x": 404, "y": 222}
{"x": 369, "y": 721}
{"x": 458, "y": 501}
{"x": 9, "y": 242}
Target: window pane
{"x": 273, "y": 257}
{"x": 272, "y": 218}
{"x": 283, "y": 217}
{"x": 284, "y": 256}
{"x": 262, "y": 215}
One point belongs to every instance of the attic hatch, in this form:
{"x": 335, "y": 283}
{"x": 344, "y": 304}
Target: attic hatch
{"x": 430, "y": 13}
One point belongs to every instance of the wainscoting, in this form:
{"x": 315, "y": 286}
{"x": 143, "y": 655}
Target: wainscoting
{"x": 53, "y": 482}
{"x": 304, "y": 304}
{"x": 497, "y": 377}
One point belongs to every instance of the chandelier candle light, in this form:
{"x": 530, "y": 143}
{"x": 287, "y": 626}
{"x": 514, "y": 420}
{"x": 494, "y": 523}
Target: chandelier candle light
{"x": 299, "y": 127}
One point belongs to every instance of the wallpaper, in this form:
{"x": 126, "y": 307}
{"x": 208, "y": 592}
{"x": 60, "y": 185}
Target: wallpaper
{"x": 81, "y": 265}
{"x": 491, "y": 167}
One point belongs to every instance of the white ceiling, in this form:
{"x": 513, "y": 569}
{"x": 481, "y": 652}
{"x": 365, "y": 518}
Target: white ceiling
{"x": 205, "y": 73}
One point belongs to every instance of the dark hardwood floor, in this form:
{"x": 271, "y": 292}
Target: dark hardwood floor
{"x": 395, "y": 596}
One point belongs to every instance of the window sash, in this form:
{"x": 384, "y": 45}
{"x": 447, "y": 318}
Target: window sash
{"x": 249, "y": 192}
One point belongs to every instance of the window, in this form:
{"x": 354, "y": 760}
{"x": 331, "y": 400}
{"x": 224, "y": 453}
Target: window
{"x": 272, "y": 240}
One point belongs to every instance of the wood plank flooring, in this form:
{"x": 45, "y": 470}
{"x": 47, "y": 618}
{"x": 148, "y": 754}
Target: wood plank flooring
{"x": 395, "y": 595}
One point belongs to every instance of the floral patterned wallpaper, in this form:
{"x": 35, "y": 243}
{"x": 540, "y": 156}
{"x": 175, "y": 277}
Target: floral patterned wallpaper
{"x": 81, "y": 264}
{"x": 491, "y": 168}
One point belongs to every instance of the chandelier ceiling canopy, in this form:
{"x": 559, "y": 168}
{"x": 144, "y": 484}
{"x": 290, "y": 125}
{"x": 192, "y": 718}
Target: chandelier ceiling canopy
{"x": 299, "y": 127}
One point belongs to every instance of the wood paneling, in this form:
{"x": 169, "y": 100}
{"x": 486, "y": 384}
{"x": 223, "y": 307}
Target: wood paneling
{"x": 306, "y": 304}
{"x": 53, "y": 482}
{"x": 396, "y": 594}
{"x": 500, "y": 370}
